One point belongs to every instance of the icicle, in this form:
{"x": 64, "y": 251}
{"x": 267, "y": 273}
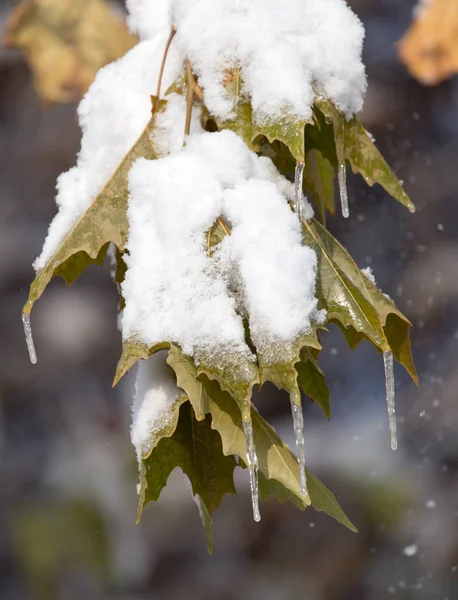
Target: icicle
{"x": 389, "y": 383}
{"x": 298, "y": 181}
{"x": 252, "y": 461}
{"x": 28, "y": 337}
{"x": 298, "y": 422}
{"x": 343, "y": 190}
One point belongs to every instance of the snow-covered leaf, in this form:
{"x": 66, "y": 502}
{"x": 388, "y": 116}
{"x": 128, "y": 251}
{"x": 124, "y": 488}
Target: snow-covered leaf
{"x": 283, "y": 373}
{"x": 196, "y": 448}
{"x": 103, "y": 222}
{"x": 354, "y": 144}
{"x": 238, "y": 381}
{"x": 289, "y": 130}
{"x": 66, "y": 42}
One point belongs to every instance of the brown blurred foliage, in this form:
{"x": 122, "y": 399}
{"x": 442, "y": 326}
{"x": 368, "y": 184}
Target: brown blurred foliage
{"x": 66, "y": 42}
{"x": 430, "y": 46}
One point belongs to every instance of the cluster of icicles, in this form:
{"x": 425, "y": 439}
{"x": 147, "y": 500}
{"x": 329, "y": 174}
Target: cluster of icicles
{"x": 298, "y": 421}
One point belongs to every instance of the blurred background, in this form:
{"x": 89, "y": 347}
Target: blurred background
{"x": 68, "y": 472}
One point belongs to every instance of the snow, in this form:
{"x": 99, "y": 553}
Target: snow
{"x": 147, "y": 18}
{"x": 155, "y": 395}
{"x": 287, "y": 51}
{"x": 174, "y": 292}
{"x": 169, "y": 134}
{"x": 367, "y": 272}
{"x": 410, "y": 550}
{"x": 171, "y": 291}
{"x": 112, "y": 116}
{"x": 276, "y": 273}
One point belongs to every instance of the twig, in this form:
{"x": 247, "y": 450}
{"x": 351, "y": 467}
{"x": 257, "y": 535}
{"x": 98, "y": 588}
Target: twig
{"x": 189, "y": 97}
{"x": 224, "y": 226}
{"x": 164, "y": 58}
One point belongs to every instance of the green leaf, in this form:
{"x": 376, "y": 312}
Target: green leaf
{"x": 118, "y": 272}
{"x": 278, "y": 469}
{"x": 365, "y": 159}
{"x": 282, "y": 373}
{"x": 132, "y": 351}
{"x": 103, "y": 222}
{"x": 355, "y": 302}
{"x": 207, "y": 521}
{"x": 186, "y": 375}
{"x": 288, "y": 129}
{"x": 319, "y": 180}
{"x": 237, "y": 378}
{"x": 354, "y": 144}
{"x": 321, "y": 163}
{"x": 196, "y": 448}
{"x": 320, "y": 136}
{"x": 312, "y": 382}
{"x": 336, "y": 292}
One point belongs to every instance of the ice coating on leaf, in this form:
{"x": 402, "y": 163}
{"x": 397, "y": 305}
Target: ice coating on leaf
{"x": 286, "y": 50}
{"x": 29, "y": 338}
{"x": 298, "y": 425}
{"x": 342, "y": 177}
{"x": 276, "y": 272}
{"x": 298, "y": 183}
{"x": 252, "y": 464}
{"x": 389, "y": 383}
{"x": 112, "y": 115}
{"x": 155, "y": 395}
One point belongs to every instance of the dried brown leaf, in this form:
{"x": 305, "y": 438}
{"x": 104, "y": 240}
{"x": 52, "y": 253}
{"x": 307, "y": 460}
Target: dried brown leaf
{"x": 430, "y": 46}
{"x": 66, "y": 42}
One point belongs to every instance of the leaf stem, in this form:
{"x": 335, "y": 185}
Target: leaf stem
{"x": 209, "y": 239}
{"x": 164, "y": 59}
{"x": 189, "y": 97}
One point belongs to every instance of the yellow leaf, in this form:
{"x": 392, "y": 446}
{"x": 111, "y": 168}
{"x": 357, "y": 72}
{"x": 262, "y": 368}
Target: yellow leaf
{"x": 430, "y": 46}
{"x": 66, "y": 42}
